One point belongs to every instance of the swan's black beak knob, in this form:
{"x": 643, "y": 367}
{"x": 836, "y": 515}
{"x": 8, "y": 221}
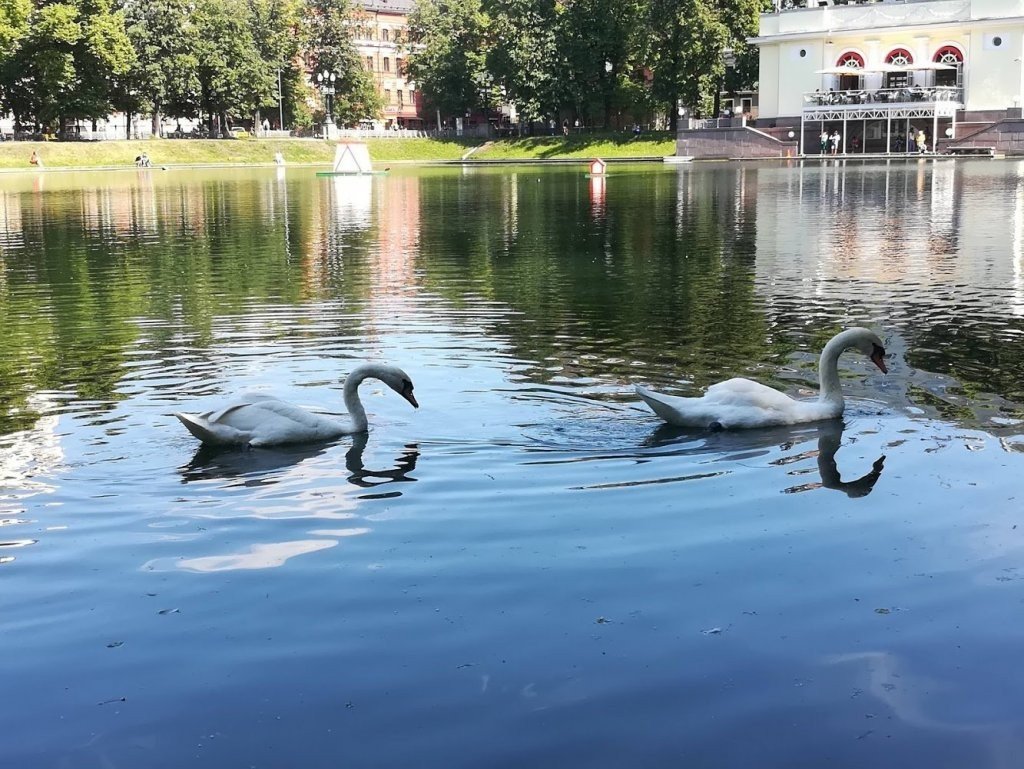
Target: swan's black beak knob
{"x": 878, "y": 358}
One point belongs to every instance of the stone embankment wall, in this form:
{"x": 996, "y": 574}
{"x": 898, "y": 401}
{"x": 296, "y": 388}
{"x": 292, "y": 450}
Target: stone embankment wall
{"x": 732, "y": 142}
{"x": 1005, "y": 136}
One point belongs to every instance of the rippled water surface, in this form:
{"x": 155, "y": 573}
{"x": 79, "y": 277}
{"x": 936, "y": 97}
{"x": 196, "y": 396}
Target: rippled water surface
{"x": 529, "y": 570}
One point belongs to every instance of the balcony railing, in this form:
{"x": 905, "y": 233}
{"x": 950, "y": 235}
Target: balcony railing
{"x": 907, "y": 95}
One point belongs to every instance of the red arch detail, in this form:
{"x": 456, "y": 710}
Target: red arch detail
{"x": 851, "y": 59}
{"x": 949, "y": 49}
{"x": 899, "y": 52}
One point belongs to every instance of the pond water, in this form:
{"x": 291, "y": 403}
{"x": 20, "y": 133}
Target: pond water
{"x": 529, "y": 570}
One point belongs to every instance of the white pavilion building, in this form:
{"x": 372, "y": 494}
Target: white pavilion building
{"x": 879, "y": 72}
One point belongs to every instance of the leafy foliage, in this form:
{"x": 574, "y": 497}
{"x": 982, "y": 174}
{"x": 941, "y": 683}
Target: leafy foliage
{"x": 68, "y": 62}
{"x": 331, "y": 49}
{"x": 447, "y": 54}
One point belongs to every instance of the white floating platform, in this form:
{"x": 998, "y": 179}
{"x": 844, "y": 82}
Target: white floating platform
{"x": 678, "y": 158}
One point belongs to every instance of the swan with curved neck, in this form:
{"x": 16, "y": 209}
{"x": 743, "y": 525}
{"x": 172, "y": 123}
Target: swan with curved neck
{"x": 262, "y": 420}
{"x": 741, "y": 403}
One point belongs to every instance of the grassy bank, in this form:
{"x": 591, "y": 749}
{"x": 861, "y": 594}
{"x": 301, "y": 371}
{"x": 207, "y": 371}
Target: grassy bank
{"x": 179, "y": 152}
{"x": 618, "y": 145}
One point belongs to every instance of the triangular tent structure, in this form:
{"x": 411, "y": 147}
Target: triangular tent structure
{"x": 352, "y": 157}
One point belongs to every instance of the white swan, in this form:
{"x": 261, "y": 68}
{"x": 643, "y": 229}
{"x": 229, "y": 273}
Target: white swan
{"x": 741, "y": 403}
{"x": 262, "y": 420}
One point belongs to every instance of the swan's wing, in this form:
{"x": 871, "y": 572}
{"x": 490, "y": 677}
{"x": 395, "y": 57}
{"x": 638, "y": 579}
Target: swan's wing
{"x": 745, "y": 392}
{"x": 263, "y": 420}
{"x": 735, "y": 403}
{"x": 246, "y": 400}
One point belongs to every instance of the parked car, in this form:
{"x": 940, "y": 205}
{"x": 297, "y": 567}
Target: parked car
{"x": 237, "y": 132}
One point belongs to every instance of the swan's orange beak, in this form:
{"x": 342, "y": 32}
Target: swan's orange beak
{"x": 878, "y": 358}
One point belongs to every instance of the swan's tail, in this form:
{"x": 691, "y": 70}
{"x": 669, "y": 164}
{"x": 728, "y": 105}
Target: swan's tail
{"x": 214, "y": 434}
{"x": 658, "y": 404}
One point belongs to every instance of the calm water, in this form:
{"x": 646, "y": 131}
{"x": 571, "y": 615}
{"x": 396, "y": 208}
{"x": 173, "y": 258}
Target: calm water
{"x": 529, "y": 570}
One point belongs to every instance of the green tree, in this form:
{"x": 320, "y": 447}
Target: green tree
{"x": 596, "y": 38}
{"x": 685, "y": 40}
{"x": 14, "y": 15}
{"x": 331, "y": 48}
{"x": 446, "y": 51}
{"x": 164, "y": 78}
{"x": 275, "y": 27}
{"x": 525, "y": 58}
{"x": 69, "y": 62}
{"x": 742, "y": 17}
{"x": 233, "y": 79}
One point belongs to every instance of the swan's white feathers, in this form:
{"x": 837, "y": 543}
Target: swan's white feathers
{"x": 267, "y": 420}
{"x": 258, "y": 419}
{"x": 742, "y": 403}
{"x": 734, "y": 404}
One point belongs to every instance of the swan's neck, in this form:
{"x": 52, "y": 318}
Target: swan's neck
{"x": 354, "y": 406}
{"x": 351, "y": 392}
{"x": 828, "y": 367}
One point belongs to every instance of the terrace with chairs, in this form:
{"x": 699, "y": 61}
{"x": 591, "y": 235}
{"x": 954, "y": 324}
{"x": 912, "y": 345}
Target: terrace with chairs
{"x": 914, "y": 95}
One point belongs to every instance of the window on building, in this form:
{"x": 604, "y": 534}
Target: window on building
{"x": 384, "y": 35}
{"x": 852, "y": 62}
{"x": 899, "y": 57}
{"x": 369, "y": 63}
{"x": 398, "y": 66}
{"x": 387, "y": 64}
{"x": 387, "y": 95}
{"x": 953, "y": 58}
{"x": 400, "y": 101}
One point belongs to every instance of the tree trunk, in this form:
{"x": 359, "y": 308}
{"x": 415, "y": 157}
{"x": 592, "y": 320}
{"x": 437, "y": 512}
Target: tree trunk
{"x": 673, "y": 119}
{"x": 128, "y": 124}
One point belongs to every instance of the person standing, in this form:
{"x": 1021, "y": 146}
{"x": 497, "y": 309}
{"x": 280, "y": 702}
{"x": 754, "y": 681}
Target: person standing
{"x": 837, "y": 139}
{"x": 922, "y": 142}
{"x": 824, "y": 141}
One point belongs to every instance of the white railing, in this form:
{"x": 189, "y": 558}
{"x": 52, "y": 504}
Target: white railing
{"x": 906, "y": 95}
{"x": 696, "y": 124}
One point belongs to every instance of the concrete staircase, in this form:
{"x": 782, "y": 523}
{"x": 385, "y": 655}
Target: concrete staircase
{"x": 1004, "y": 137}
{"x": 730, "y": 142}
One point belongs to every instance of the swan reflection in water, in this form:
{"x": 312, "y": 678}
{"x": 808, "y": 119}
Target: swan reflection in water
{"x": 262, "y": 466}
{"x": 739, "y": 446}
{"x": 829, "y": 439}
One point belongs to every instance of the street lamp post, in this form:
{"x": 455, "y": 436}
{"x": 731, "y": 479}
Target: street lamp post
{"x": 325, "y": 82}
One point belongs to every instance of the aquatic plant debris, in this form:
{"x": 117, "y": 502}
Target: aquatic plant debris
{"x": 712, "y": 631}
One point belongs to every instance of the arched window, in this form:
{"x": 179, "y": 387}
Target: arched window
{"x": 853, "y": 62}
{"x": 899, "y": 57}
{"x": 948, "y": 54}
{"x": 953, "y": 59}
{"x": 851, "y": 59}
